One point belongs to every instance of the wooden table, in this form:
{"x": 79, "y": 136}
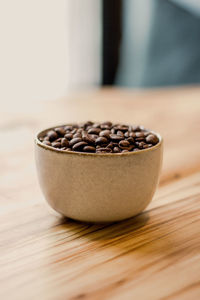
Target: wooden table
{"x": 155, "y": 255}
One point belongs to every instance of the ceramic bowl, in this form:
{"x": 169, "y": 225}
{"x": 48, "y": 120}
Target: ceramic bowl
{"x": 98, "y": 187}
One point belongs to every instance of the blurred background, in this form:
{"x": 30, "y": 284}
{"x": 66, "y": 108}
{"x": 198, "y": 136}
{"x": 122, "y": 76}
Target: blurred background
{"x": 49, "y": 47}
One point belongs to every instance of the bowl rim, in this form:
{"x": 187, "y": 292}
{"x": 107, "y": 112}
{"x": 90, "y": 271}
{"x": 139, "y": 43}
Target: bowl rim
{"x": 56, "y": 150}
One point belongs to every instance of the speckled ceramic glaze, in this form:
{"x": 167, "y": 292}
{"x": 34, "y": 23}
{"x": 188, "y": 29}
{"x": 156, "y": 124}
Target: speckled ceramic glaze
{"x": 98, "y": 187}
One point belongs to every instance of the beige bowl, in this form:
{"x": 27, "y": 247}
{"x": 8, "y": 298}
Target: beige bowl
{"x": 98, "y": 187}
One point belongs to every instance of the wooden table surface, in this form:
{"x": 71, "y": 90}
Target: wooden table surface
{"x": 155, "y": 255}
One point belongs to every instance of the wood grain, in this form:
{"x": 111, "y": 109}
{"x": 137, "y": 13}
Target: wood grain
{"x": 153, "y": 256}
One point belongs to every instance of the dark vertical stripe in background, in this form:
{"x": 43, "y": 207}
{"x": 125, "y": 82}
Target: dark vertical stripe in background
{"x": 112, "y": 12}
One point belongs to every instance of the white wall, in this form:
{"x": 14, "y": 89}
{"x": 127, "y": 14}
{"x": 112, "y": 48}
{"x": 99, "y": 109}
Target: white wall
{"x": 33, "y": 49}
{"x": 84, "y": 25}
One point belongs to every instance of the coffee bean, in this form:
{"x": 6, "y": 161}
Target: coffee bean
{"x": 152, "y": 139}
{"x": 96, "y": 125}
{"x": 77, "y": 135}
{"x": 64, "y": 142}
{"x": 107, "y": 123}
{"x": 139, "y": 134}
{"x": 132, "y": 134}
{"x": 145, "y": 146}
{"x": 126, "y": 134}
{"x": 74, "y": 131}
{"x": 131, "y": 140}
{"x": 140, "y": 139}
{"x": 68, "y": 127}
{"x": 94, "y": 131}
{"x": 141, "y": 144}
{"x": 47, "y": 143}
{"x": 119, "y": 132}
{"x": 89, "y": 149}
{"x": 116, "y": 150}
{"x": 78, "y": 146}
{"x": 105, "y": 133}
{"x": 68, "y": 136}
{"x": 115, "y": 137}
{"x": 74, "y": 141}
{"x": 110, "y": 145}
{"x": 104, "y": 150}
{"x": 124, "y": 144}
{"x": 56, "y": 144}
{"x": 79, "y": 130}
{"x": 87, "y": 138}
{"x": 136, "y": 128}
{"x": 52, "y": 135}
{"x": 94, "y": 136}
{"x": 60, "y": 131}
{"x": 122, "y": 128}
{"x": 101, "y": 140}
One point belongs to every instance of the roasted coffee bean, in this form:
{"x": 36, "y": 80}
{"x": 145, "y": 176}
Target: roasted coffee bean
{"x": 139, "y": 134}
{"x": 119, "y": 132}
{"x": 122, "y": 128}
{"x": 105, "y": 133}
{"x": 107, "y": 123}
{"x": 47, "y": 143}
{"x": 126, "y": 134}
{"x": 56, "y": 144}
{"x": 64, "y": 142}
{"x": 74, "y": 131}
{"x": 141, "y": 144}
{"x": 115, "y": 137}
{"x": 104, "y": 150}
{"x": 136, "y": 128}
{"x": 116, "y": 150}
{"x": 124, "y": 144}
{"x": 75, "y": 141}
{"x": 132, "y": 134}
{"x": 79, "y": 146}
{"x": 145, "y": 146}
{"x": 152, "y": 139}
{"x": 89, "y": 149}
{"x": 69, "y": 136}
{"x": 94, "y": 136}
{"x": 77, "y": 135}
{"x": 52, "y": 135}
{"x": 101, "y": 140}
{"x": 68, "y": 127}
{"x": 87, "y": 138}
{"x": 96, "y": 125}
{"x": 60, "y": 131}
{"x": 110, "y": 145}
{"x": 94, "y": 131}
{"x": 131, "y": 140}
{"x": 79, "y": 130}
{"x": 140, "y": 139}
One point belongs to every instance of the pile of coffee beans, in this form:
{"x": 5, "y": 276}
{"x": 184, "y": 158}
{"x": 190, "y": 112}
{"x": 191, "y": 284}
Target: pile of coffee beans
{"x": 104, "y": 137}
